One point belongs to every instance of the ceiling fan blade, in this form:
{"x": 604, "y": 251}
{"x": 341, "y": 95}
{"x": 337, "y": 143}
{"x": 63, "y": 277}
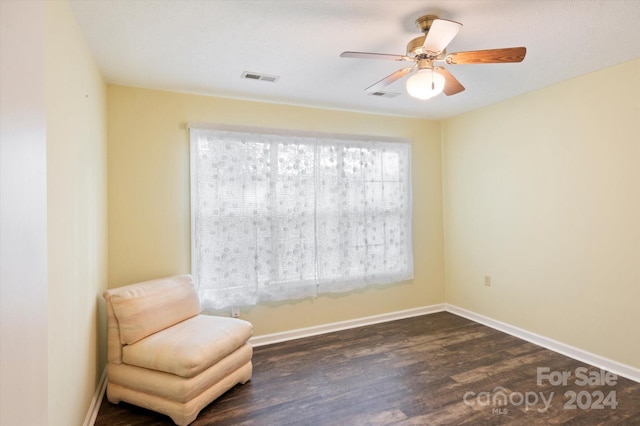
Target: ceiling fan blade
{"x": 389, "y": 79}
{"x": 440, "y": 34}
{"x": 451, "y": 84}
{"x": 491, "y": 56}
{"x": 366, "y": 55}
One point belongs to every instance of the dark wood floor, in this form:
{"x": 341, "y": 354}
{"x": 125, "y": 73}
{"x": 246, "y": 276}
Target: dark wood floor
{"x": 414, "y": 371}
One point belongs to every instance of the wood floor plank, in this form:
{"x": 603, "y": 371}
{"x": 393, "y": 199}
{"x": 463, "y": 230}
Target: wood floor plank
{"x": 437, "y": 369}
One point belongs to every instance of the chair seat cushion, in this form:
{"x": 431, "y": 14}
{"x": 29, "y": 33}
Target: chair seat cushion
{"x": 189, "y": 347}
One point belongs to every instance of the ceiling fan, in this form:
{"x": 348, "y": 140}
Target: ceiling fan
{"x": 426, "y": 50}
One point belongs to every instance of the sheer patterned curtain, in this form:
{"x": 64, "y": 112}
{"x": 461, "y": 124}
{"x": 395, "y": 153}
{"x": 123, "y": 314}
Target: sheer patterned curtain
{"x": 280, "y": 216}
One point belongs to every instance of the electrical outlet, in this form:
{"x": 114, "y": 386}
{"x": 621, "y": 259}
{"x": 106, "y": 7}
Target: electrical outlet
{"x": 235, "y": 312}
{"x": 487, "y": 280}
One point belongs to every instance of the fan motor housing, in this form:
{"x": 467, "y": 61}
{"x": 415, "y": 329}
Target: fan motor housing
{"x": 415, "y": 49}
{"x": 415, "y": 46}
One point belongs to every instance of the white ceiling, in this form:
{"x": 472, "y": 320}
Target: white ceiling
{"x": 204, "y": 46}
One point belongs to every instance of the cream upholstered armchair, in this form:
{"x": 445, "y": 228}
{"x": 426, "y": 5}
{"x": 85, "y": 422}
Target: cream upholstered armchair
{"x": 165, "y": 356}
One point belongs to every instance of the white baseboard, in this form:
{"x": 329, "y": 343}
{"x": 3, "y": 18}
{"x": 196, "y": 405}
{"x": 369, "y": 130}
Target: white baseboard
{"x": 615, "y": 367}
{"x": 299, "y": 333}
{"x": 92, "y": 414}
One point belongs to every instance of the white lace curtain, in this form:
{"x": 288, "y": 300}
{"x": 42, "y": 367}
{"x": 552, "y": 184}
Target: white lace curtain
{"x": 286, "y": 216}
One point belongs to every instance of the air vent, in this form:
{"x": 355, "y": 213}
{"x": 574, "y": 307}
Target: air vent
{"x": 262, "y": 77}
{"x": 384, "y": 94}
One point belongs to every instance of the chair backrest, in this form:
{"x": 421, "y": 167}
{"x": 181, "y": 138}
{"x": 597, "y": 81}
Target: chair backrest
{"x": 138, "y": 310}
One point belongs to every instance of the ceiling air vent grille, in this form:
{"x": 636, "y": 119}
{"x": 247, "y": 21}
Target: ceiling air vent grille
{"x": 383, "y": 94}
{"x": 262, "y": 77}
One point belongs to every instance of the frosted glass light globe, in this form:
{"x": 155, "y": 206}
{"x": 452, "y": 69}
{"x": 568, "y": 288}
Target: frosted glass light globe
{"x": 425, "y": 84}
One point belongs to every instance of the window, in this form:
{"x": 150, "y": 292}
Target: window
{"x": 280, "y": 216}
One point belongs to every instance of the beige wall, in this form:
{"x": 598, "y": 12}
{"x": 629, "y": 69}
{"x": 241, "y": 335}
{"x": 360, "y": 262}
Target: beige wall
{"x": 23, "y": 216}
{"x": 149, "y": 231}
{"x": 77, "y": 217}
{"x": 542, "y": 193}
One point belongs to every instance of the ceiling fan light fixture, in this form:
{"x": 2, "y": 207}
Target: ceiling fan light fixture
{"x": 425, "y": 84}
{"x": 431, "y": 47}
